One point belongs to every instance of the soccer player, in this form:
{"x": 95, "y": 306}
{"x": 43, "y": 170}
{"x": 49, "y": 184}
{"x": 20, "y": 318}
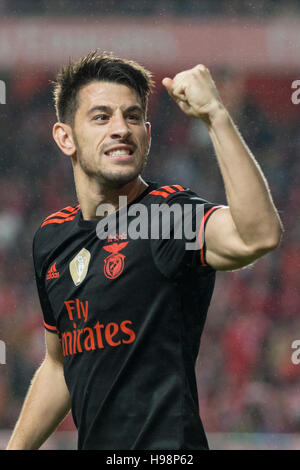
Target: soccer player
{"x": 124, "y": 315}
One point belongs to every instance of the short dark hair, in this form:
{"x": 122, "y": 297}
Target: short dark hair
{"x": 93, "y": 67}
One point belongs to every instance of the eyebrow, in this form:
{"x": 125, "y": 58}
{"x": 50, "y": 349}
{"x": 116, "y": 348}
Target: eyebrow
{"x": 109, "y": 110}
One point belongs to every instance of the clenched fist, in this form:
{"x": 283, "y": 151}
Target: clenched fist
{"x": 195, "y": 93}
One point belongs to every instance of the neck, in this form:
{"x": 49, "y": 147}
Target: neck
{"x": 91, "y": 193}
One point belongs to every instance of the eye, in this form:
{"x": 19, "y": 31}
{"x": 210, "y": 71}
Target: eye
{"x": 134, "y": 117}
{"x": 101, "y": 117}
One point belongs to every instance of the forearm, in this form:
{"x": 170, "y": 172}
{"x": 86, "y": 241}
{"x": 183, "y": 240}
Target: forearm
{"x": 252, "y": 209}
{"x": 46, "y": 404}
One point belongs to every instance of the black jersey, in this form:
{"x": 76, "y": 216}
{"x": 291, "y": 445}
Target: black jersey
{"x": 129, "y": 314}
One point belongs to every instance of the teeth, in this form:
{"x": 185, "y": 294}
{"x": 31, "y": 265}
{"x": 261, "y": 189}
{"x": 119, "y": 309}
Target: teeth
{"x": 115, "y": 153}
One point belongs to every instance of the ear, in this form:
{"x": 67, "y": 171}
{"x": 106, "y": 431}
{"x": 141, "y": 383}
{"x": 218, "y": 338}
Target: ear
{"x": 63, "y": 136}
{"x": 148, "y": 128}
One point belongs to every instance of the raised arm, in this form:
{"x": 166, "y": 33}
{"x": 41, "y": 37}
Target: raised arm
{"x": 47, "y": 401}
{"x": 250, "y": 227}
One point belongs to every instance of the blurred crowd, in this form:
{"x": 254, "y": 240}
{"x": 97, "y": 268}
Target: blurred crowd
{"x": 246, "y": 379}
{"x": 189, "y": 8}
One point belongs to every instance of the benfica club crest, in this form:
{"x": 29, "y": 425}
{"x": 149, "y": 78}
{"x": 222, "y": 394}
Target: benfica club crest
{"x": 114, "y": 263}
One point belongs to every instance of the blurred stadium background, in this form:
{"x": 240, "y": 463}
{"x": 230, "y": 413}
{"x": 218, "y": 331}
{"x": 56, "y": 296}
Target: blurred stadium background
{"x": 249, "y": 388}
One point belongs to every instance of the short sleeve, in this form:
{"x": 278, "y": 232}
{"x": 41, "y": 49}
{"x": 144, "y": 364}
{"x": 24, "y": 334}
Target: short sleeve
{"x": 48, "y": 317}
{"x": 181, "y": 243}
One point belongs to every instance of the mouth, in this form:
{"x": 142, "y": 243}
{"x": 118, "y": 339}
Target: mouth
{"x": 122, "y": 152}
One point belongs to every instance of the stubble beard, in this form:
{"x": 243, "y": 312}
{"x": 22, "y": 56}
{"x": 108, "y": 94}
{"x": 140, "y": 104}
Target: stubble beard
{"x": 108, "y": 177}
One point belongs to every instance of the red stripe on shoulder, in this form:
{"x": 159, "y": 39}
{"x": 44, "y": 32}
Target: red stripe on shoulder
{"x": 57, "y": 221}
{"x": 70, "y": 210}
{"x": 60, "y": 217}
{"x": 178, "y": 187}
{"x": 160, "y": 193}
{"x": 166, "y": 191}
{"x": 169, "y": 189}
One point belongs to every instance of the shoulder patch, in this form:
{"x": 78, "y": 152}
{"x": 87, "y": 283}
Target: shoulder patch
{"x": 64, "y": 215}
{"x": 166, "y": 191}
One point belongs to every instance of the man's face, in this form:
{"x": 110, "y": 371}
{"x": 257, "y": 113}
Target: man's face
{"x": 111, "y": 137}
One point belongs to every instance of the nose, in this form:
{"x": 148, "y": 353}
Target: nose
{"x": 119, "y": 128}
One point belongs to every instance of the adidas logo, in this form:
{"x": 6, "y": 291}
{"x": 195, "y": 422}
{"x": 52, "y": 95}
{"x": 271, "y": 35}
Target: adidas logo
{"x": 52, "y": 272}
